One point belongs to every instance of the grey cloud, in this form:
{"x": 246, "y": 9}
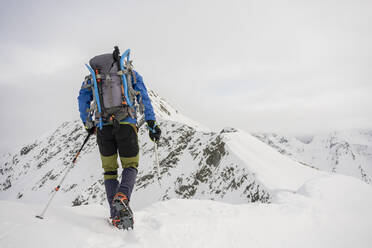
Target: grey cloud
{"x": 260, "y": 65}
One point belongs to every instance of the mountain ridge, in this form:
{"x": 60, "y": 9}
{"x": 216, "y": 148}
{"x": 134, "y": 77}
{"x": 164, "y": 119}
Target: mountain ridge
{"x": 194, "y": 163}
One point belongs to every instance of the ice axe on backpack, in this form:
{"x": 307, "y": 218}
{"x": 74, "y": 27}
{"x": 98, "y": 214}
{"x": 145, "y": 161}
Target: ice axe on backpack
{"x": 56, "y": 189}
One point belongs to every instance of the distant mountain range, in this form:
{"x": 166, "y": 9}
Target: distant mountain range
{"x": 346, "y": 152}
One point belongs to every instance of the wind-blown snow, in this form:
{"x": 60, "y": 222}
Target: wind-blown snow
{"x": 330, "y": 211}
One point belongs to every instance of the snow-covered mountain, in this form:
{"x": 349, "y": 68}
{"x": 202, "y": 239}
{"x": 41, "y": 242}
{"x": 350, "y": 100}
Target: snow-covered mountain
{"x": 344, "y": 152}
{"x": 230, "y": 166}
{"x": 296, "y": 203}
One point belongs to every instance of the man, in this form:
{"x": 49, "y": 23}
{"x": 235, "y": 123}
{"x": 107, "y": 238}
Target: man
{"x": 115, "y": 123}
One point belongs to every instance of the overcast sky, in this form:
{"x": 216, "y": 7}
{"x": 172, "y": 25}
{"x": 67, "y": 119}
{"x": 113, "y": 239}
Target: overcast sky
{"x": 264, "y": 66}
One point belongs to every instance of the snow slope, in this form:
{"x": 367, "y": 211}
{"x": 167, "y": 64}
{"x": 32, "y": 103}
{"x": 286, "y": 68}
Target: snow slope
{"x": 330, "y": 211}
{"x": 271, "y": 168}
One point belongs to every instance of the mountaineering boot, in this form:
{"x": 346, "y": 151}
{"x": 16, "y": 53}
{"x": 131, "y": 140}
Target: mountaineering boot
{"x": 111, "y": 186}
{"x": 124, "y": 215}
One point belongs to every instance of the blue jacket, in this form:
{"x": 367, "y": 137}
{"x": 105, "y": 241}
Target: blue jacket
{"x": 86, "y": 97}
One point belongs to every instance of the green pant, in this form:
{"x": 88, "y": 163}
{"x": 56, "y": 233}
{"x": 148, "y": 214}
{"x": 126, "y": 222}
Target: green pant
{"x": 120, "y": 140}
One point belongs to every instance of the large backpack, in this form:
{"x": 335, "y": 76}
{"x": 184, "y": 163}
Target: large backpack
{"x": 114, "y": 98}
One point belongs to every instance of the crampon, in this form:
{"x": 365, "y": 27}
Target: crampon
{"x": 124, "y": 217}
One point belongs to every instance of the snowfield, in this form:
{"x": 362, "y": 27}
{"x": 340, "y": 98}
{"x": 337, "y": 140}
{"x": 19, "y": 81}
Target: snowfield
{"x": 329, "y": 211}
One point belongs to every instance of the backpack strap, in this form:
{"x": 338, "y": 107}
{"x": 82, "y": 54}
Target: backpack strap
{"x": 99, "y": 85}
{"x": 108, "y": 81}
{"x": 134, "y": 77}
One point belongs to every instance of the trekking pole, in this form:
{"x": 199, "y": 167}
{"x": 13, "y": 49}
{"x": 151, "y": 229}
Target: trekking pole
{"x": 156, "y": 153}
{"x": 56, "y": 189}
{"x": 157, "y": 160}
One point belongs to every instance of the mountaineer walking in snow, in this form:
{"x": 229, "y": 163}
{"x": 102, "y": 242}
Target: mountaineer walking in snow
{"x": 108, "y": 102}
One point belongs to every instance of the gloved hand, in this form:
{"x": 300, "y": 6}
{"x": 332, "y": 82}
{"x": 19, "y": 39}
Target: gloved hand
{"x": 89, "y": 126}
{"x": 91, "y": 130}
{"x": 154, "y": 130}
